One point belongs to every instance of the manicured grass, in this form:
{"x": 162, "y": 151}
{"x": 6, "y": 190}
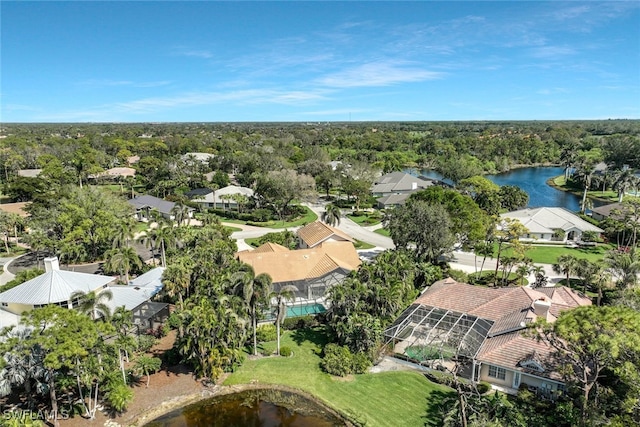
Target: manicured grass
{"x": 384, "y": 399}
{"x": 363, "y": 220}
{"x": 359, "y": 244}
{"x": 307, "y": 218}
{"x": 383, "y": 232}
{"x": 549, "y": 254}
{"x": 232, "y": 229}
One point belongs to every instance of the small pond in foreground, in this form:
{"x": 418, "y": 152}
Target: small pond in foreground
{"x": 265, "y": 408}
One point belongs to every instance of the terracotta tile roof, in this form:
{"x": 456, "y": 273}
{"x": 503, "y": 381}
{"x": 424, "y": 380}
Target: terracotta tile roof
{"x": 511, "y": 349}
{"x": 302, "y": 264}
{"x": 510, "y": 309}
{"x": 317, "y": 232}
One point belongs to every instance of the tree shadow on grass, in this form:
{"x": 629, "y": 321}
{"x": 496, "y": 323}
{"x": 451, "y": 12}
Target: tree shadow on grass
{"x": 317, "y": 336}
{"x": 438, "y": 405}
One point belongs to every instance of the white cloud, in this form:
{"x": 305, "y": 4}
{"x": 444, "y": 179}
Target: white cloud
{"x": 552, "y": 51}
{"x": 108, "y": 83}
{"x": 378, "y": 74}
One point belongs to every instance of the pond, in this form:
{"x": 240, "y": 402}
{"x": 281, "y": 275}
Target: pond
{"x": 265, "y": 408}
{"x": 533, "y": 180}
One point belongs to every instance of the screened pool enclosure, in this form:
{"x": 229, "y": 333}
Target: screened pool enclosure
{"x": 425, "y": 334}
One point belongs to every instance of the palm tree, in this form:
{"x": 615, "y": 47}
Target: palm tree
{"x": 286, "y": 293}
{"x": 180, "y": 213}
{"x": 625, "y": 180}
{"x": 122, "y": 260}
{"x": 93, "y": 303}
{"x": 331, "y": 214}
{"x": 566, "y": 264}
{"x": 255, "y": 290}
{"x": 166, "y": 238}
{"x": 587, "y": 271}
{"x": 584, "y": 172}
{"x": 124, "y": 232}
{"x": 625, "y": 266}
{"x": 177, "y": 279}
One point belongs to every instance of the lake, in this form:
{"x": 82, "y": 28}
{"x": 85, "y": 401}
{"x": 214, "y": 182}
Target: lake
{"x": 266, "y": 408}
{"x": 533, "y": 180}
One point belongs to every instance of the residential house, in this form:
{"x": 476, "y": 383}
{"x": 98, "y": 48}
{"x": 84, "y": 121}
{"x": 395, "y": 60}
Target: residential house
{"x": 552, "y": 224}
{"x": 223, "y": 198}
{"x": 17, "y": 208}
{"x": 316, "y": 233}
{"x": 29, "y": 173}
{"x": 145, "y": 204}
{"x": 202, "y": 158}
{"x": 612, "y": 210}
{"x": 56, "y": 286}
{"x": 311, "y": 271}
{"x": 115, "y": 173}
{"x": 394, "y": 188}
{"x": 485, "y": 327}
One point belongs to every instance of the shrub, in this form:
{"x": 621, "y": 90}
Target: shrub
{"x": 145, "y": 342}
{"x": 268, "y": 349}
{"x": 266, "y": 333}
{"x": 286, "y": 351}
{"x": 119, "y": 396}
{"x": 303, "y": 322}
{"x": 483, "y": 387}
{"x": 337, "y": 360}
{"x": 360, "y": 363}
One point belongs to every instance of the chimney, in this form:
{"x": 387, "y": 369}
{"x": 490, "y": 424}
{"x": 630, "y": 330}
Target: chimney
{"x": 414, "y": 185}
{"x": 541, "y": 307}
{"x": 51, "y": 264}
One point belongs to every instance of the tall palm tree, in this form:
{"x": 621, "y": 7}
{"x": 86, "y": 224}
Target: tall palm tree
{"x": 331, "y": 214}
{"x": 587, "y": 271}
{"x": 93, "y": 303}
{"x": 255, "y": 290}
{"x": 180, "y": 213}
{"x": 122, "y": 260}
{"x": 286, "y": 293}
{"x": 625, "y": 180}
{"x": 566, "y": 264}
{"x": 124, "y": 232}
{"x": 177, "y": 279}
{"x": 584, "y": 173}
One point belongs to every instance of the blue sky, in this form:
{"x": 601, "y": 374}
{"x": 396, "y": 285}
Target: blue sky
{"x": 318, "y": 61}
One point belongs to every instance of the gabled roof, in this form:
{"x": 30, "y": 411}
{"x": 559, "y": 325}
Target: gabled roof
{"x": 546, "y": 220}
{"x": 393, "y": 199}
{"x": 317, "y": 232}
{"x": 396, "y": 182}
{"x": 198, "y": 192}
{"x": 29, "y": 173}
{"x": 151, "y": 202}
{"x": 284, "y": 265}
{"x": 216, "y": 196}
{"x": 510, "y": 310}
{"x": 54, "y": 287}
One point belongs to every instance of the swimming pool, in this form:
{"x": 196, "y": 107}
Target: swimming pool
{"x": 305, "y": 309}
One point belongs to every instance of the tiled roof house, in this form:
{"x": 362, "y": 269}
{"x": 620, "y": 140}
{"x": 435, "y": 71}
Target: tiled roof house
{"x": 542, "y": 222}
{"x": 312, "y": 270}
{"x": 317, "y": 232}
{"x": 486, "y": 325}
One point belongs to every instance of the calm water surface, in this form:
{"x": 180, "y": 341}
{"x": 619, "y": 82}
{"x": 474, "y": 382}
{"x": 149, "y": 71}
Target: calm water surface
{"x": 534, "y": 181}
{"x": 249, "y": 409}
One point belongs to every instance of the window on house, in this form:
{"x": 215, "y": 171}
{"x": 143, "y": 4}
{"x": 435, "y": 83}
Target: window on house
{"x": 495, "y": 372}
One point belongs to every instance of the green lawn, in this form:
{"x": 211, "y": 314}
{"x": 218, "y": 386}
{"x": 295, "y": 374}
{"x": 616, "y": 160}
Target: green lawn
{"x": 364, "y": 220}
{"x": 385, "y": 399}
{"x": 383, "y": 232}
{"x": 549, "y": 254}
{"x": 359, "y": 244}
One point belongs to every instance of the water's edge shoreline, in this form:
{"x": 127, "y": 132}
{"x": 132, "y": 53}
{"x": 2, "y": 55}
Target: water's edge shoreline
{"x": 178, "y": 402}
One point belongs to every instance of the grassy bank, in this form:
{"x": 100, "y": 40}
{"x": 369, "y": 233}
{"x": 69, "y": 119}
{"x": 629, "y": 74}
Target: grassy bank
{"x": 383, "y": 399}
{"x": 540, "y": 254}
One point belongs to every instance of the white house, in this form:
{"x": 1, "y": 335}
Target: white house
{"x": 552, "y": 224}
{"x": 222, "y": 198}
{"x": 56, "y": 286}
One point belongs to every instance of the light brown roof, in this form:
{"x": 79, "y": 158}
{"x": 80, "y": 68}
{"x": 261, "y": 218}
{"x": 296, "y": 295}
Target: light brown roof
{"x": 269, "y": 247}
{"x": 317, "y": 232}
{"x": 17, "y": 208}
{"x": 302, "y": 264}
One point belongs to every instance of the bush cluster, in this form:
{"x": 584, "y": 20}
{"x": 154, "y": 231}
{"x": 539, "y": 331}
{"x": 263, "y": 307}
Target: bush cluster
{"x": 338, "y": 360}
{"x": 303, "y": 322}
{"x": 286, "y": 351}
{"x": 266, "y": 333}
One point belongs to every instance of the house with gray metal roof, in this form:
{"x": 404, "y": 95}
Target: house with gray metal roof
{"x": 56, "y": 286}
{"x": 394, "y": 188}
{"x": 145, "y": 204}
